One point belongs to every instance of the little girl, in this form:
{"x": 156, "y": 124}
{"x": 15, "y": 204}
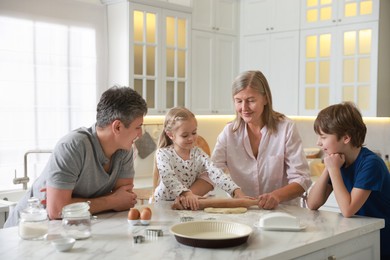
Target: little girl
{"x": 180, "y": 162}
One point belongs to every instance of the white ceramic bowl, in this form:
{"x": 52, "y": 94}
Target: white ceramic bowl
{"x": 63, "y": 244}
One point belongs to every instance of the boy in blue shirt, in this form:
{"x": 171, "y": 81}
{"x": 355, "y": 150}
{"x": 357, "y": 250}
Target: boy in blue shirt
{"x": 358, "y": 177}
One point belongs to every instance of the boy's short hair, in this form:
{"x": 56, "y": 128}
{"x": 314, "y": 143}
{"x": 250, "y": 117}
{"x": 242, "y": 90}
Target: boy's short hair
{"x": 342, "y": 119}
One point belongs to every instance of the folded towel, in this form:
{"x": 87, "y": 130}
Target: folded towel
{"x": 145, "y": 145}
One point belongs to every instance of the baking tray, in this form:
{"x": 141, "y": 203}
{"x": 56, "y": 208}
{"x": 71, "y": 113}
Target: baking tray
{"x": 211, "y": 234}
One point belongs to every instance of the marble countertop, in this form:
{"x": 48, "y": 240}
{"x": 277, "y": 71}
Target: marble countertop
{"x": 112, "y": 237}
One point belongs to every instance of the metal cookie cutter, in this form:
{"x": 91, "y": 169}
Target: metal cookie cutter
{"x": 138, "y": 239}
{"x": 154, "y": 232}
{"x": 186, "y": 219}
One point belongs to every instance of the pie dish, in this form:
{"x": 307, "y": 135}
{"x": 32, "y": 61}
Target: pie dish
{"x": 211, "y": 234}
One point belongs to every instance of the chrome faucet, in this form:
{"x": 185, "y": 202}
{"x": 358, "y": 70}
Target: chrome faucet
{"x": 25, "y": 179}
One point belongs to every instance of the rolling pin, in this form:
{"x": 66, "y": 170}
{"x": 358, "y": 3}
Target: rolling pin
{"x": 223, "y": 203}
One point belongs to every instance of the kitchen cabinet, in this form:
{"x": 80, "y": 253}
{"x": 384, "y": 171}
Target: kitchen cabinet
{"x": 149, "y": 50}
{"x": 276, "y": 55}
{"x": 214, "y": 55}
{"x": 263, "y": 16}
{"x": 358, "y": 248}
{"x": 346, "y": 63}
{"x": 214, "y": 66}
{"x": 215, "y": 16}
{"x": 337, "y": 12}
{"x": 270, "y": 43}
{"x": 338, "y": 64}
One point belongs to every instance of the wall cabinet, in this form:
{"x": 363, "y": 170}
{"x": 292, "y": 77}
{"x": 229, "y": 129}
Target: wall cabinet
{"x": 263, "y": 16}
{"x": 214, "y": 66}
{"x": 216, "y": 16}
{"x": 276, "y": 55}
{"x": 337, "y": 12}
{"x": 345, "y": 62}
{"x": 339, "y": 64}
{"x": 214, "y": 55}
{"x": 270, "y": 43}
{"x": 149, "y": 51}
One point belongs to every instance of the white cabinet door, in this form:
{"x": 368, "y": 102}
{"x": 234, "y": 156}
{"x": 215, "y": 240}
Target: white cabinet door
{"x": 262, "y": 16}
{"x": 359, "y": 248}
{"x": 149, "y": 51}
{"x": 226, "y": 64}
{"x": 339, "y": 63}
{"x": 214, "y": 66}
{"x": 216, "y": 16}
{"x": 335, "y": 12}
{"x": 276, "y": 55}
{"x": 202, "y": 71}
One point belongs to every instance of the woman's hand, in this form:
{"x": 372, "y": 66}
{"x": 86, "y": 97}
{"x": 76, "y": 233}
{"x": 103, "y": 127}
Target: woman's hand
{"x": 268, "y": 201}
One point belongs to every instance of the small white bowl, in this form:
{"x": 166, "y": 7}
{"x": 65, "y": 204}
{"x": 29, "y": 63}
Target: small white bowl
{"x": 63, "y": 244}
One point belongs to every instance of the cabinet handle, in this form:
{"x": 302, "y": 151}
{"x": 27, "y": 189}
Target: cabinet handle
{"x": 334, "y": 21}
{"x": 272, "y": 28}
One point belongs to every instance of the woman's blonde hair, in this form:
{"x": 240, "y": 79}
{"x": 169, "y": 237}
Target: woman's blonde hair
{"x": 257, "y": 81}
{"x": 172, "y": 118}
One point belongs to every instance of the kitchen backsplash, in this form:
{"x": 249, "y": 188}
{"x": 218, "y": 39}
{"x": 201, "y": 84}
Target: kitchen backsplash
{"x": 377, "y": 139}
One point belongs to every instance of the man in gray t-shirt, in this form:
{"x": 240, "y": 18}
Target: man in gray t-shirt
{"x": 93, "y": 164}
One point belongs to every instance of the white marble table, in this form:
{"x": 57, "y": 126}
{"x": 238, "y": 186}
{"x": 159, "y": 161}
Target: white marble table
{"x": 327, "y": 234}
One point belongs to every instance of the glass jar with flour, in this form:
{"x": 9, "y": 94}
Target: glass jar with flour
{"x": 33, "y": 222}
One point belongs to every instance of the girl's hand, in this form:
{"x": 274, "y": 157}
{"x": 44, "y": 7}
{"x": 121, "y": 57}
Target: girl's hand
{"x": 189, "y": 200}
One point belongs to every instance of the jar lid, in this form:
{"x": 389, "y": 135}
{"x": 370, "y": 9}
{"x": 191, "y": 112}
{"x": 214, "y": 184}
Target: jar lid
{"x": 34, "y": 211}
{"x": 76, "y": 209}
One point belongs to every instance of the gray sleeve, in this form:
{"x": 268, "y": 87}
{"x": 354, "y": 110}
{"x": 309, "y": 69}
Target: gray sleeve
{"x": 65, "y": 164}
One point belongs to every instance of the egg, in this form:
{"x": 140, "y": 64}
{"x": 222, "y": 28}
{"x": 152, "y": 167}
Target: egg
{"x": 148, "y": 209}
{"x": 146, "y": 215}
{"x": 133, "y": 214}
